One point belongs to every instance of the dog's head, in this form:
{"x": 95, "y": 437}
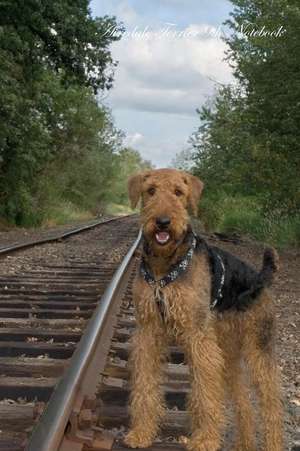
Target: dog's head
{"x": 167, "y": 196}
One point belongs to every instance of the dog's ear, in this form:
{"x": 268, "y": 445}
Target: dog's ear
{"x": 195, "y": 190}
{"x": 135, "y": 188}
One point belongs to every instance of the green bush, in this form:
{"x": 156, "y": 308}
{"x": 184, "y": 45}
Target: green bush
{"x": 65, "y": 212}
{"x": 211, "y": 210}
{"x": 219, "y": 210}
{"x": 225, "y": 213}
{"x": 286, "y": 232}
{"x": 22, "y": 208}
{"x": 243, "y": 221}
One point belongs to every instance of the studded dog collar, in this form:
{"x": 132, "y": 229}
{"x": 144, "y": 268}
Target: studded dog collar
{"x": 218, "y": 275}
{"x": 175, "y": 271}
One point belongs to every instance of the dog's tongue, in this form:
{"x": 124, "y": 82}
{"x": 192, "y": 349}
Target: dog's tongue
{"x": 162, "y": 237}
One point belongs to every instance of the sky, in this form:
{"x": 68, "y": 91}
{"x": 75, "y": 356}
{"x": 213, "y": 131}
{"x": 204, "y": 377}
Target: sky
{"x": 169, "y": 62}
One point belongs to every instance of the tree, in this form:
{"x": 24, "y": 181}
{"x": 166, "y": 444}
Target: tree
{"x": 183, "y": 160}
{"x": 268, "y": 68}
{"x": 129, "y": 161}
{"x": 62, "y": 36}
{"x": 248, "y": 140}
{"x": 225, "y": 156}
{"x": 53, "y": 57}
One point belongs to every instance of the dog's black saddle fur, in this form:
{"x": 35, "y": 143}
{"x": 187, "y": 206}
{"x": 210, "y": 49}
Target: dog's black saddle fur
{"x": 235, "y": 284}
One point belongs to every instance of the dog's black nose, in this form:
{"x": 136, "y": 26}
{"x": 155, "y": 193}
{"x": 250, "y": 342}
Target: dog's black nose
{"x": 163, "y": 221}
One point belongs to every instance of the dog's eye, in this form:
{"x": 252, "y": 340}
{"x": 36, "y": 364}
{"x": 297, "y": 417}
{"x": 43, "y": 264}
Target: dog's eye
{"x": 151, "y": 191}
{"x": 178, "y": 192}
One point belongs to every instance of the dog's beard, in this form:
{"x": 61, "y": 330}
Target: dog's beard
{"x": 163, "y": 242}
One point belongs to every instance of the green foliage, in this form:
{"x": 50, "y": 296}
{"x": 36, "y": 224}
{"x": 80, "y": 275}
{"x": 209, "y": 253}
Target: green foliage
{"x": 268, "y": 68}
{"x": 61, "y": 36}
{"x": 224, "y": 154}
{"x": 57, "y": 144}
{"x": 183, "y": 160}
{"x": 218, "y": 210}
{"x": 248, "y": 141}
{"x": 97, "y": 177}
{"x": 245, "y": 216}
{"x": 129, "y": 162}
{"x": 64, "y": 212}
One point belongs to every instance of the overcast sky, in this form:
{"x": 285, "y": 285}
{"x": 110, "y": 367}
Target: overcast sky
{"x": 168, "y": 60}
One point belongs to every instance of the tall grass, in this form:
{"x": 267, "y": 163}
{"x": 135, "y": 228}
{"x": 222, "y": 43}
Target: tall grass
{"x": 246, "y": 216}
{"x": 63, "y": 213}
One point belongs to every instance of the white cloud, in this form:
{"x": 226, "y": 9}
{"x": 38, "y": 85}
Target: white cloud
{"x": 160, "y": 135}
{"x": 133, "y": 140}
{"x": 126, "y": 13}
{"x": 166, "y": 74}
{"x": 163, "y": 152}
{"x": 161, "y": 80}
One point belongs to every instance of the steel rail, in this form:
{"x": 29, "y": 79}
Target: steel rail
{"x": 59, "y": 236}
{"x": 50, "y": 430}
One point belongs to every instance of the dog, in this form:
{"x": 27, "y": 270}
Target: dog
{"x": 216, "y": 307}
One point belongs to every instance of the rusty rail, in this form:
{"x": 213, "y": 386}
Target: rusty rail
{"x": 58, "y": 236}
{"x": 72, "y": 402}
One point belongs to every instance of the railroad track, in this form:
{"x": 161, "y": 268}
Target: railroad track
{"x": 48, "y": 236}
{"x": 64, "y": 383}
{"x": 49, "y": 290}
{"x": 89, "y": 409}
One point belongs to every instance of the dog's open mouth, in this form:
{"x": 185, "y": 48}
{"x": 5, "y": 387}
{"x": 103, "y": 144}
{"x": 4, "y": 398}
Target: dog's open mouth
{"x": 162, "y": 237}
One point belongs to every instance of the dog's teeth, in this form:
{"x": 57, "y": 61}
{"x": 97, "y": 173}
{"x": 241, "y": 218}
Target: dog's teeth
{"x": 162, "y": 237}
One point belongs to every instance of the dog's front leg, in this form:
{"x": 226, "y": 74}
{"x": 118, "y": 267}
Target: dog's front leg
{"x": 206, "y": 401}
{"x": 146, "y": 406}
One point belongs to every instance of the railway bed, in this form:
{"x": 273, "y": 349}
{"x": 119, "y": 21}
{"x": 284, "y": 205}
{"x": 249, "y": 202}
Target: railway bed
{"x": 47, "y": 296}
{"x": 65, "y": 328}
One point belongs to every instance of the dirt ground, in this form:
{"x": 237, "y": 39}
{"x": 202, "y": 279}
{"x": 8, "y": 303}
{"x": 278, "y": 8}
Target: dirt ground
{"x": 19, "y": 234}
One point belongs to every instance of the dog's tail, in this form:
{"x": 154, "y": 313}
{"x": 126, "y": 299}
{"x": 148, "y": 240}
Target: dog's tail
{"x": 270, "y": 266}
{"x": 263, "y": 280}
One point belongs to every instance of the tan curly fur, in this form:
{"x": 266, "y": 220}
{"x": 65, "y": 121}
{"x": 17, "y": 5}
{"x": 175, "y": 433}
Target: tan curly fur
{"x": 215, "y": 345}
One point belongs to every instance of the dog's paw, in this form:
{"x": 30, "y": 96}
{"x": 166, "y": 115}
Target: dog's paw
{"x": 137, "y": 439}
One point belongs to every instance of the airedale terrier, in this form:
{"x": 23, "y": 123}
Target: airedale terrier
{"x": 216, "y": 307}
